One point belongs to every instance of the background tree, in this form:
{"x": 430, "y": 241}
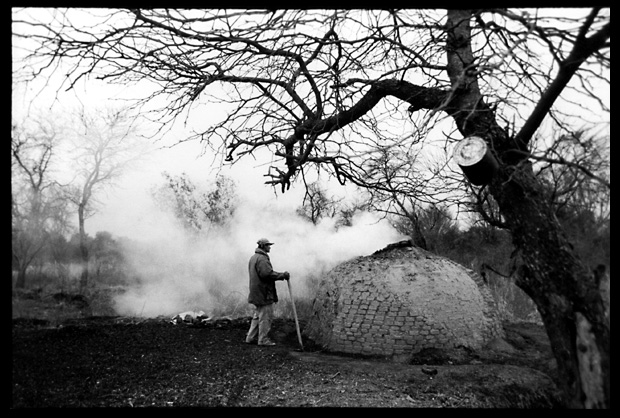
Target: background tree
{"x": 108, "y": 258}
{"x": 38, "y": 209}
{"x": 396, "y": 187}
{"x": 221, "y": 201}
{"x": 347, "y": 211}
{"x": 434, "y": 224}
{"x": 104, "y": 146}
{"x": 317, "y": 205}
{"x": 198, "y": 209}
{"x": 582, "y": 206}
{"x": 327, "y": 88}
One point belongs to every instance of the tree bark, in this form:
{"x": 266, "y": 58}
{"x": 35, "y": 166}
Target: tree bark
{"x": 20, "y": 283}
{"x": 83, "y": 249}
{"x": 565, "y": 292}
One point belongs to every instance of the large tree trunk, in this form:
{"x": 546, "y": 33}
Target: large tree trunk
{"x": 566, "y": 292}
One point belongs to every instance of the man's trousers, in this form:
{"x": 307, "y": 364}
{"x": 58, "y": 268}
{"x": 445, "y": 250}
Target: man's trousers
{"x": 261, "y": 324}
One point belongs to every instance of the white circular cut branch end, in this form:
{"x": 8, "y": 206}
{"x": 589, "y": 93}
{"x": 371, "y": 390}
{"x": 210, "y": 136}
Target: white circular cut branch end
{"x": 470, "y": 151}
{"x": 476, "y": 160}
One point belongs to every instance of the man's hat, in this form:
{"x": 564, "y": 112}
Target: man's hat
{"x": 264, "y": 241}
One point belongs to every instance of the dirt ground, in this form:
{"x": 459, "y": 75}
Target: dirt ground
{"x": 128, "y": 362}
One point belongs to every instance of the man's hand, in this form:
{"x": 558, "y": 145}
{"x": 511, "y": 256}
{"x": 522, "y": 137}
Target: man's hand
{"x": 286, "y": 275}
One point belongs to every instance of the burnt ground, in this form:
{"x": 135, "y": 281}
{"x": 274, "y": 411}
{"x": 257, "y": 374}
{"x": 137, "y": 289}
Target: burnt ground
{"x": 128, "y": 362}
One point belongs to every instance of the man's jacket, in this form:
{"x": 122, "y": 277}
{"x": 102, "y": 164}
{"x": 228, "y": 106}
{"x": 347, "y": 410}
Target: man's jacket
{"x": 262, "y": 279}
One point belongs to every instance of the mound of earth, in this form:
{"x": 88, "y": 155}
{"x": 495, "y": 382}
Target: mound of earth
{"x": 129, "y": 362}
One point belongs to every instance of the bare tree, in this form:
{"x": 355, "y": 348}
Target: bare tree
{"x": 582, "y": 206}
{"x": 569, "y": 166}
{"x": 317, "y": 205}
{"x": 104, "y": 146}
{"x": 37, "y": 206}
{"x": 399, "y": 187}
{"x": 433, "y": 225}
{"x": 327, "y": 88}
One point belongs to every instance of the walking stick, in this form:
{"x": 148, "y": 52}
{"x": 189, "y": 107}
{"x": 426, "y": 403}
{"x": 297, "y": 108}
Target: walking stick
{"x": 290, "y": 291}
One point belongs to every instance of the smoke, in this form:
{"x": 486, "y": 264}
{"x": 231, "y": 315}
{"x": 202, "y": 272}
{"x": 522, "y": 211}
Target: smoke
{"x": 179, "y": 272}
{"x": 176, "y": 271}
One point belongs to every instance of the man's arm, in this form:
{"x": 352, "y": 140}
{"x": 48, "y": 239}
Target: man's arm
{"x": 266, "y": 272}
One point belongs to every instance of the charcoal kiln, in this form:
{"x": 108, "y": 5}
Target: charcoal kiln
{"x": 400, "y": 300}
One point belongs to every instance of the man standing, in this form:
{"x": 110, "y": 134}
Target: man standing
{"x": 262, "y": 292}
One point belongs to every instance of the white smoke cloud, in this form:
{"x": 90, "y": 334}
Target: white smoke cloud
{"x": 209, "y": 273}
{"x": 179, "y": 273}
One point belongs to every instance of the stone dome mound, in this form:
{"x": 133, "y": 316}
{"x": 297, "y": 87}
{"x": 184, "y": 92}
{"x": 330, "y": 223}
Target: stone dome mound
{"x": 399, "y": 301}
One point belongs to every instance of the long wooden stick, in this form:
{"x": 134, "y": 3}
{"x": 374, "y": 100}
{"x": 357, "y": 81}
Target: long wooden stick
{"x": 290, "y": 291}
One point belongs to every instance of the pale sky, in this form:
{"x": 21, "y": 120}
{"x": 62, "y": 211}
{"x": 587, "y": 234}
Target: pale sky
{"x": 128, "y": 209}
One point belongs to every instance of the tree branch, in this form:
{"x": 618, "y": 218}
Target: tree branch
{"x": 582, "y": 50}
